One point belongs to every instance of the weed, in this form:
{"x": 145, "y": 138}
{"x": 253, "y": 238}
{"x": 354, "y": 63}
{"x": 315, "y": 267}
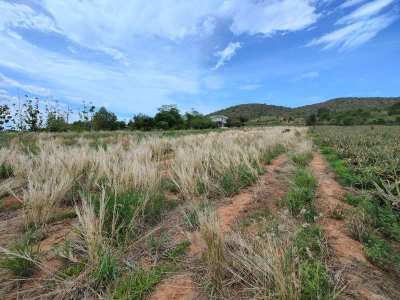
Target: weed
{"x": 6, "y": 171}
{"x": 380, "y": 253}
{"x": 300, "y": 197}
{"x": 310, "y": 243}
{"x": 302, "y": 159}
{"x": 179, "y": 250}
{"x": 269, "y": 155}
{"x": 157, "y": 245}
{"x": 358, "y": 224}
{"x": 214, "y": 256}
{"x": 107, "y": 269}
{"x": 315, "y": 281}
{"x": 72, "y": 270}
{"x": 138, "y": 284}
{"x": 338, "y": 213}
{"x": 191, "y": 219}
{"x": 23, "y": 257}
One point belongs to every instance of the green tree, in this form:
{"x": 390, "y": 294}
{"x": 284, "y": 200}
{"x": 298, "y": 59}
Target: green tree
{"x": 196, "y": 120}
{"x": 104, "y": 120}
{"x": 31, "y": 114}
{"x": 56, "y": 123}
{"x": 311, "y": 120}
{"x": 169, "y": 117}
{"x": 323, "y": 114}
{"x": 5, "y": 116}
{"x": 141, "y": 122}
{"x": 394, "y": 109}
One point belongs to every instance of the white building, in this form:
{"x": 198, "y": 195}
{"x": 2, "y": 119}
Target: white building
{"x": 219, "y": 120}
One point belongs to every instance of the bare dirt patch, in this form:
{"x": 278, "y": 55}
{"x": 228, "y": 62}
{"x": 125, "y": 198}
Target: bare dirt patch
{"x": 178, "y": 287}
{"x": 364, "y": 281}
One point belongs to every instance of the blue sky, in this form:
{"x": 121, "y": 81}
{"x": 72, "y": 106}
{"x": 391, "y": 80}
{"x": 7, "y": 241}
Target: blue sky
{"x": 133, "y": 56}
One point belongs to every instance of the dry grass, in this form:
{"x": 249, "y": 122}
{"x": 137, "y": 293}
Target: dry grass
{"x": 50, "y": 173}
{"x": 266, "y": 267}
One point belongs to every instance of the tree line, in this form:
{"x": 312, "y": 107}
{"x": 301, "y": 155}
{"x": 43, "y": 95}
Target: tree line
{"x": 361, "y": 116}
{"x": 35, "y": 115}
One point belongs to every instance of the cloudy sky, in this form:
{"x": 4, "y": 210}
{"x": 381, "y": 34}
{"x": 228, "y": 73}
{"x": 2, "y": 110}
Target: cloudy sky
{"x": 133, "y": 56}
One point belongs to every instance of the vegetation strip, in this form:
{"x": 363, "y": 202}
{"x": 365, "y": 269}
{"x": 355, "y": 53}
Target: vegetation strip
{"x": 347, "y": 251}
{"x": 368, "y": 162}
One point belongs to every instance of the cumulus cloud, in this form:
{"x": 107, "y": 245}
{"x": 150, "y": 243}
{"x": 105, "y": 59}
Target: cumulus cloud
{"x": 358, "y": 27}
{"x": 226, "y": 54}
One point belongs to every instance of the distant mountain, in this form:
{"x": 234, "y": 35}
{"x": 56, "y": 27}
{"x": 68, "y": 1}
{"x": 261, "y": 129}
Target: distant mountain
{"x": 253, "y": 111}
{"x": 351, "y": 103}
{"x": 257, "y": 110}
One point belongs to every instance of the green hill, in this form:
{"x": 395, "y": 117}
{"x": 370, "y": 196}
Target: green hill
{"x": 365, "y": 110}
{"x": 253, "y": 111}
{"x": 346, "y": 104}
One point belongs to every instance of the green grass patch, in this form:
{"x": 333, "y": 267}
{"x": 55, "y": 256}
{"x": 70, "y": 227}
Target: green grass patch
{"x": 315, "y": 281}
{"x": 273, "y": 153}
{"x": 302, "y": 160}
{"x": 339, "y": 166}
{"x": 23, "y": 256}
{"x": 381, "y": 253}
{"x": 310, "y": 243}
{"x": 6, "y": 171}
{"x": 138, "y": 284}
{"x": 107, "y": 270}
{"x": 300, "y": 198}
{"x": 236, "y": 178}
{"x": 311, "y": 247}
{"x": 127, "y": 212}
{"x": 178, "y": 251}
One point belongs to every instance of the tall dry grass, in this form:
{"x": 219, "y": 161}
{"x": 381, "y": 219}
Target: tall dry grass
{"x": 262, "y": 268}
{"x": 52, "y": 167}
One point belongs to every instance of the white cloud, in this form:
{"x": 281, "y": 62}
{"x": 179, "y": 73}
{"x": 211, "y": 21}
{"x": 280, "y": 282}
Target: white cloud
{"x": 351, "y": 3}
{"x": 23, "y": 16}
{"x": 366, "y": 11}
{"x": 6, "y": 98}
{"x": 33, "y": 89}
{"x": 269, "y": 17}
{"x": 138, "y": 88}
{"x": 226, "y": 54}
{"x": 354, "y": 34}
{"x": 360, "y": 26}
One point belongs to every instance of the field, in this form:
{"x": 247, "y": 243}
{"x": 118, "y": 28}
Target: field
{"x": 252, "y": 213}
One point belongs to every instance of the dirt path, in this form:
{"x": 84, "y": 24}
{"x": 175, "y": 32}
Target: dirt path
{"x": 182, "y": 286}
{"x": 364, "y": 281}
